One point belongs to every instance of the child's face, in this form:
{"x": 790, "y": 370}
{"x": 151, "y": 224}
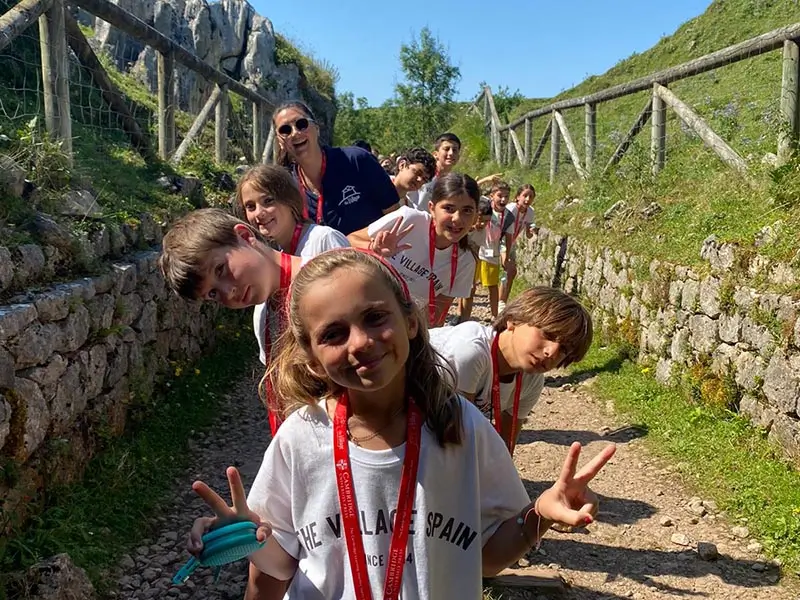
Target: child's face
{"x": 235, "y": 274}
{"x": 453, "y": 217}
{"x": 411, "y": 176}
{"x": 272, "y": 219}
{"x": 533, "y": 351}
{"x": 499, "y": 200}
{"x": 447, "y": 155}
{"x": 481, "y": 222}
{"x": 302, "y": 132}
{"x": 359, "y": 336}
{"x": 524, "y": 199}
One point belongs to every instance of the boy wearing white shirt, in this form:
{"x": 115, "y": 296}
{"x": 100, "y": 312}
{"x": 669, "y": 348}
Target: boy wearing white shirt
{"x": 524, "y": 220}
{"x": 498, "y": 237}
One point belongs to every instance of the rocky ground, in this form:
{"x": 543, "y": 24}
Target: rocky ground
{"x": 652, "y": 538}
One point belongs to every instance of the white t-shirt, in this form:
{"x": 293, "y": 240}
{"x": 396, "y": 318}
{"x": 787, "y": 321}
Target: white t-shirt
{"x": 421, "y": 197}
{"x": 468, "y": 347}
{"x": 413, "y": 264}
{"x": 520, "y": 224}
{"x": 315, "y": 240}
{"x": 496, "y": 228}
{"x": 463, "y": 495}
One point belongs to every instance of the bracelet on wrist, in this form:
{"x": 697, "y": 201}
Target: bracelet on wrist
{"x": 522, "y": 520}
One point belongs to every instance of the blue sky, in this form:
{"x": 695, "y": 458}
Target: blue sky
{"x": 559, "y": 45}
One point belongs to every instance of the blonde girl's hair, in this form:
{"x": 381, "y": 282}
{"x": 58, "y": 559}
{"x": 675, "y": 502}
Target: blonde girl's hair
{"x": 274, "y": 182}
{"x": 429, "y": 381}
{"x": 560, "y": 317}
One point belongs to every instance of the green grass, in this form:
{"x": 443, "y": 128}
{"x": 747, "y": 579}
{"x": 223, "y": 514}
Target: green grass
{"x": 99, "y": 519}
{"x": 717, "y": 452}
{"x": 698, "y": 194}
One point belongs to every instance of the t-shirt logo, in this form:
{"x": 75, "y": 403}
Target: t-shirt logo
{"x": 350, "y": 195}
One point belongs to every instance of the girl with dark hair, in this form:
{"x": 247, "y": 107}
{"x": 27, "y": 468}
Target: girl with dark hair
{"x": 430, "y": 249}
{"x": 344, "y": 188}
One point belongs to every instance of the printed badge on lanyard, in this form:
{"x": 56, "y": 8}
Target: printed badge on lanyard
{"x": 348, "y": 503}
{"x": 433, "y": 318}
{"x": 304, "y": 192}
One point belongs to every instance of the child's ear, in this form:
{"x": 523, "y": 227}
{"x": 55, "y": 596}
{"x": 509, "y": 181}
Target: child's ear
{"x": 413, "y": 327}
{"x": 430, "y": 206}
{"x": 245, "y": 233}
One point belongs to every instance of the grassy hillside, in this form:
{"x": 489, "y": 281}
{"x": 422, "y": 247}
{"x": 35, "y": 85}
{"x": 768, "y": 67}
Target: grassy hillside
{"x": 697, "y": 193}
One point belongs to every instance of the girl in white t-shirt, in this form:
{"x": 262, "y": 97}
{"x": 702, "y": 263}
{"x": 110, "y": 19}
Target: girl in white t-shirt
{"x": 501, "y": 367}
{"x": 268, "y": 198}
{"x": 431, "y": 250}
{"x": 524, "y": 220}
{"x": 383, "y": 482}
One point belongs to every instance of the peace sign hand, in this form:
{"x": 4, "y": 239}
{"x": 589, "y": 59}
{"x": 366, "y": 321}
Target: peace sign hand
{"x": 224, "y": 514}
{"x": 569, "y": 500}
{"x": 387, "y": 242}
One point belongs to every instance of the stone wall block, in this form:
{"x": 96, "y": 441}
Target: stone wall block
{"x": 680, "y": 351}
{"x": 6, "y": 269}
{"x": 675, "y": 292}
{"x": 664, "y": 371}
{"x": 54, "y": 305}
{"x": 47, "y": 376}
{"x": 729, "y": 327}
{"x": 37, "y": 416}
{"x": 760, "y": 415}
{"x": 75, "y": 329}
{"x": 101, "y": 312}
{"x": 782, "y": 384}
{"x": 5, "y": 420}
{"x": 786, "y": 434}
{"x": 93, "y": 363}
{"x": 7, "y": 371}
{"x": 147, "y": 322}
{"x": 749, "y": 371}
{"x": 723, "y": 359}
{"x": 29, "y": 263}
{"x": 704, "y": 333}
{"x": 109, "y": 410}
{"x": 35, "y": 345}
{"x": 743, "y": 298}
{"x": 689, "y": 294}
{"x": 70, "y": 400}
{"x": 124, "y": 277}
{"x": 14, "y": 318}
{"x": 128, "y": 308}
{"x": 117, "y": 356}
{"x": 709, "y": 297}
{"x": 757, "y": 336}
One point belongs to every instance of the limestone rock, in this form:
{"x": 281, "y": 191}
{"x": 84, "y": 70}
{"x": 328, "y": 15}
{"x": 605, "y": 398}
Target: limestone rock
{"x": 37, "y": 416}
{"x": 28, "y": 264}
{"x": 707, "y": 551}
{"x": 681, "y": 539}
{"x": 12, "y": 177}
{"x": 80, "y": 203}
{"x": 782, "y": 383}
{"x": 59, "y": 579}
{"x": 6, "y": 269}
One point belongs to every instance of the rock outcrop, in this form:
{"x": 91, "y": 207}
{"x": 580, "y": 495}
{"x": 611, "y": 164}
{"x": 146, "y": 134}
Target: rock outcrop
{"x": 227, "y": 34}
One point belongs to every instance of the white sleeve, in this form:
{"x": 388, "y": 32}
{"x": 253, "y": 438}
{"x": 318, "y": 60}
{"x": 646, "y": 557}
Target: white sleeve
{"x": 465, "y": 276}
{"x": 332, "y": 239}
{"x": 502, "y": 494}
{"x": 270, "y": 497}
{"x": 259, "y": 324}
{"x": 409, "y": 216}
{"x": 471, "y": 363}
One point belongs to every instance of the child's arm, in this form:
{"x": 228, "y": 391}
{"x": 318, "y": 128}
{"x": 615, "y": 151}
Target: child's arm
{"x": 384, "y": 235}
{"x": 442, "y": 306}
{"x": 568, "y": 501}
{"x": 264, "y": 587}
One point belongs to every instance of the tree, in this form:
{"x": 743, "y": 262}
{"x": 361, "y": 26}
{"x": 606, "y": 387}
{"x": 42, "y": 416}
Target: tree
{"x": 353, "y": 121}
{"x": 425, "y": 98}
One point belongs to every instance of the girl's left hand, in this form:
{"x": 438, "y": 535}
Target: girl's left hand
{"x": 569, "y": 500}
{"x": 387, "y": 242}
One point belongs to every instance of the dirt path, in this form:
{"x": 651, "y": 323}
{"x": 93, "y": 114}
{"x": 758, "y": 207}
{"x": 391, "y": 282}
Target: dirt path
{"x": 627, "y": 553}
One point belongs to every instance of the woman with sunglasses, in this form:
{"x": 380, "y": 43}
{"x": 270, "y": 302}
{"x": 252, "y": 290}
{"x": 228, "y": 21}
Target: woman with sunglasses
{"x": 344, "y": 188}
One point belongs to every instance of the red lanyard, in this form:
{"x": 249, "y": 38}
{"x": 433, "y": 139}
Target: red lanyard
{"x": 498, "y": 419}
{"x": 453, "y": 270}
{"x": 304, "y": 194}
{"x": 298, "y": 231}
{"x": 518, "y": 221}
{"x": 349, "y": 508}
{"x": 278, "y": 303}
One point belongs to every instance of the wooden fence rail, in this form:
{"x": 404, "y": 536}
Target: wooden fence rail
{"x": 57, "y": 28}
{"x": 654, "y": 111}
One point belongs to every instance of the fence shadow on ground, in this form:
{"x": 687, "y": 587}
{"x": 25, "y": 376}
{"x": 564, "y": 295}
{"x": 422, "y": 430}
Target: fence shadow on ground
{"x": 579, "y": 375}
{"x": 561, "y": 437}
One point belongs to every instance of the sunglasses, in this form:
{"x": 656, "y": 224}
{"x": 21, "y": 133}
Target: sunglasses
{"x": 299, "y": 125}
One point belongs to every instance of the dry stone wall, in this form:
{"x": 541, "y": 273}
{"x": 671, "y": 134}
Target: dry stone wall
{"x": 75, "y": 355}
{"x": 710, "y": 325}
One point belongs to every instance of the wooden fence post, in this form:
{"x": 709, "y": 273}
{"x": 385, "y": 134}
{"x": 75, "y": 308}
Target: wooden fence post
{"x": 197, "y": 126}
{"x": 528, "y": 136}
{"x": 658, "y": 136}
{"x": 221, "y": 129}
{"x": 258, "y": 129}
{"x": 509, "y": 146}
{"x": 590, "y": 135}
{"x": 55, "y": 75}
{"x": 269, "y": 147}
{"x": 555, "y": 149}
{"x": 790, "y": 88}
{"x": 166, "y": 104}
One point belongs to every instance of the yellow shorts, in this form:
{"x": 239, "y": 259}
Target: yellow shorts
{"x": 489, "y": 274}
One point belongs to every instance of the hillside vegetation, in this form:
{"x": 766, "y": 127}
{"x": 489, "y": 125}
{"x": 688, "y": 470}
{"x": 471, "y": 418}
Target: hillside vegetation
{"x": 698, "y": 195}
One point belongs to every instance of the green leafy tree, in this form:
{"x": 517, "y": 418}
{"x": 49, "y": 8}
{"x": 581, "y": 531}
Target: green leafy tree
{"x": 425, "y": 98}
{"x": 353, "y": 120}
